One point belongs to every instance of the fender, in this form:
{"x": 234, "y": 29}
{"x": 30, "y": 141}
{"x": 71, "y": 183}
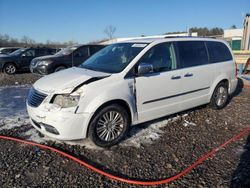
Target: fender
{"x": 129, "y": 101}
{"x": 13, "y": 62}
{"x": 96, "y": 98}
{"x": 100, "y": 100}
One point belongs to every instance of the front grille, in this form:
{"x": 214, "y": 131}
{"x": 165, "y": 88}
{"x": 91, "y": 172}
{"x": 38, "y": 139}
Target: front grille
{"x": 35, "y": 98}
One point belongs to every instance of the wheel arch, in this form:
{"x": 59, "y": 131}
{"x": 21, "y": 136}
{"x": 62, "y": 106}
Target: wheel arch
{"x": 4, "y": 64}
{"x": 120, "y": 102}
{"x": 218, "y": 81}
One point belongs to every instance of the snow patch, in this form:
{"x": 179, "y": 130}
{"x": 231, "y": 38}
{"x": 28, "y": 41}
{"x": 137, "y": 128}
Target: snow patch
{"x": 34, "y": 136}
{"x": 13, "y": 122}
{"x": 13, "y": 107}
{"x": 147, "y": 135}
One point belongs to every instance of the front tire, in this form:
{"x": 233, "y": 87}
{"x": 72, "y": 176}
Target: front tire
{"x": 9, "y": 68}
{"x": 109, "y": 126}
{"x": 220, "y": 96}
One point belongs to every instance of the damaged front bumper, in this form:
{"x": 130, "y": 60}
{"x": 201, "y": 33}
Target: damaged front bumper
{"x": 59, "y": 123}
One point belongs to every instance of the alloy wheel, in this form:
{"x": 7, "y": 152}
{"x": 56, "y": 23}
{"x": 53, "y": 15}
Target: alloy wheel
{"x": 221, "y": 96}
{"x": 10, "y": 69}
{"x": 110, "y": 126}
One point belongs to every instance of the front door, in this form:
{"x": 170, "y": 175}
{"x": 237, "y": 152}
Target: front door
{"x": 157, "y": 92}
{"x": 26, "y": 58}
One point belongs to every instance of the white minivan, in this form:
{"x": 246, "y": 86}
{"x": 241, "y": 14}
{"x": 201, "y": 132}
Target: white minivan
{"x": 129, "y": 83}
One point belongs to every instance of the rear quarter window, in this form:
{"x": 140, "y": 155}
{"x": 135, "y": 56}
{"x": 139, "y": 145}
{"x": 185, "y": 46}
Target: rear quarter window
{"x": 218, "y": 52}
{"x": 192, "y": 53}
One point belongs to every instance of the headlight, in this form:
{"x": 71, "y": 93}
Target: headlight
{"x": 66, "y": 100}
{"x": 44, "y": 62}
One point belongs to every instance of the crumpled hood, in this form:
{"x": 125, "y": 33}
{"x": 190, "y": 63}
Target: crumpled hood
{"x": 66, "y": 80}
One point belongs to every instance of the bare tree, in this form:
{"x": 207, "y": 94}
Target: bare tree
{"x": 109, "y": 31}
{"x": 27, "y": 41}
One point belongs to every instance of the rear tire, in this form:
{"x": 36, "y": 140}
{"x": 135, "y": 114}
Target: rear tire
{"x": 109, "y": 126}
{"x": 9, "y": 68}
{"x": 57, "y": 69}
{"x": 220, "y": 96}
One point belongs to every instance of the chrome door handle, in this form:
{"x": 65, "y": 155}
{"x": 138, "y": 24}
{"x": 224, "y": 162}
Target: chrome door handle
{"x": 175, "y": 77}
{"x": 188, "y": 75}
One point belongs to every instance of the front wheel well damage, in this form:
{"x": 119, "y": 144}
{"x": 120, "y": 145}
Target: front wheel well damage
{"x": 120, "y": 102}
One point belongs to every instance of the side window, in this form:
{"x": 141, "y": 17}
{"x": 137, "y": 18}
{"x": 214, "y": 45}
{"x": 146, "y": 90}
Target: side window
{"x": 41, "y": 52}
{"x": 161, "y": 56}
{"x": 29, "y": 53}
{"x": 82, "y": 52}
{"x": 5, "y": 50}
{"x": 94, "y": 49}
{"x": 218, "y": 52}
{"x": 192, "y": 53}
{"x": 52, "y": 51}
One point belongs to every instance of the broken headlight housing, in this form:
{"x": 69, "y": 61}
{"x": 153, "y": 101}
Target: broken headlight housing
{"x": 66, "y": 100}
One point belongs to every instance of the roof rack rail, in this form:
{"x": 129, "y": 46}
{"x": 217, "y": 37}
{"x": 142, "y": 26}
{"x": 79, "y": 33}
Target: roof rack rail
{"x": 189, "y": 37}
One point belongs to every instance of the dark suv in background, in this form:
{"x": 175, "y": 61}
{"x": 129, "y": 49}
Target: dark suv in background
{"x": 8, "y": 50}
{"x": 20, "y": 60}
{"x": 67, "y": 57}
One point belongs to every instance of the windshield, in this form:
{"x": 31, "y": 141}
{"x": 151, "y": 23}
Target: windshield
{"x": 17, "y": 52}
{"x": 113, "y": 58}
{"x": 66, "y": 51}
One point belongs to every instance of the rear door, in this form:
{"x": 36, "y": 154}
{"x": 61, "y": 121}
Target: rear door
{"x": 198, "y": 74}
{"x": 157, "y": 92}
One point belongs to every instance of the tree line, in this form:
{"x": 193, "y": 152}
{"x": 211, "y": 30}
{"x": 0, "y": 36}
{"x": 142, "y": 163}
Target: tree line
{"x": 25, "y": 41}
{"x": 202, "y": 31}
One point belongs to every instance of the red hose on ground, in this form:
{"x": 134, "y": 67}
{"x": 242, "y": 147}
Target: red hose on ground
{"x": 163, "y": 181}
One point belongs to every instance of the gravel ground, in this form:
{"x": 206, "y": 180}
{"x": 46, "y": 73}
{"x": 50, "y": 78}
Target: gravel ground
{"x": 181, "y": 141}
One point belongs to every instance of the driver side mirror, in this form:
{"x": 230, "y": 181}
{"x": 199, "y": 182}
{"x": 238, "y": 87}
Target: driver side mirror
{"x": 144, "y": 68}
